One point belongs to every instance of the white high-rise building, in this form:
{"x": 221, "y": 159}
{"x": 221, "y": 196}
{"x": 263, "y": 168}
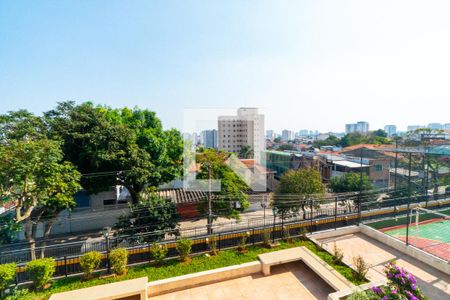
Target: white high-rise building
{"x": 209, "y": 138}
{"x": 359, "y": 127}
{"x": 287, "y": 135}
{"x": 391, "y": 130}
{"x": 447, "y": 126}
{"x": 270, "y": 135}
{"x": 435, "y": 126}
{"x": 246, "y": 128}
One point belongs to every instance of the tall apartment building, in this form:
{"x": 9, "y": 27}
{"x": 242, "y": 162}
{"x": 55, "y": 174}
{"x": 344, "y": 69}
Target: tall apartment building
{"x": 245, "y": 128}
{"x": 270, "y": 135}
{"x": 209, "y": 138}
{"x": 435, "y": 126}
{"x": 414, "y": 127}
{"x": 447, "y": 126}
{"x": 287, "y": 135}
{"x": 391, "y": 130}
{"x": 359, "y": 127}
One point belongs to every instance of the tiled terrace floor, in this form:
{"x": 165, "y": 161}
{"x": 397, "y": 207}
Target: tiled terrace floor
{"x": 289, "y": 281}
{"x": 434, "y": 283}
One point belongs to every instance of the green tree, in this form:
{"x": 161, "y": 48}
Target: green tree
{"x": 148, "y": 219}
{"x": 8, "y": 229}
{"x": 246, "y": 152}
{"x": 351, "y": 182}
{"x": 277, "y": 139}
{"x": 329, "y": 141}
{"x": 128, "y": 144}
{"x": 296, "y": 191}
{"x": 33, "y": 173}
{"x": 232, "y": 199}
{"x": 380, "y": 133}
{"x": 288, "y": 147}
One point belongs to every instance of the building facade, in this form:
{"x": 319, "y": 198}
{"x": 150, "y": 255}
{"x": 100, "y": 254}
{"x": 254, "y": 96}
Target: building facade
{"x": 287, "y": 135}
{"x": 244, "y": 129}
{"x": 359, "y": 127}
{"x": 209, "y": 138}
{"x": 391, "y": 130}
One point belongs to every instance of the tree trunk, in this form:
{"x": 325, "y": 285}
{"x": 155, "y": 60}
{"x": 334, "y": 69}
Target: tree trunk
{"x": 47, "y": 229}
{"x": 30, "y": 235}
{"x": 134, "y": 195}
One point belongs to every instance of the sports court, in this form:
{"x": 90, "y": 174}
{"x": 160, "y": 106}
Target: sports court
{"x": 428, "y": 230}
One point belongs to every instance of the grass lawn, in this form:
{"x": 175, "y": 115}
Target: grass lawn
{"x": 173, "y": 267}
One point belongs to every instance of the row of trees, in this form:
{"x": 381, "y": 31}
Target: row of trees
{"x": 375, "y": 137}
{"x": 46, "y": 159}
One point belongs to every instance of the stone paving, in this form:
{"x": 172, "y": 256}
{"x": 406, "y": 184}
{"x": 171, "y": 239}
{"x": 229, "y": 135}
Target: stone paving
{"x": 289, "y": 281}
{"x": 434, "y": 283}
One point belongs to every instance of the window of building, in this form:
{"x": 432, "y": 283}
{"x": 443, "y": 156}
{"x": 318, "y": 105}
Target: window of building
{"x": 378, "y": 168}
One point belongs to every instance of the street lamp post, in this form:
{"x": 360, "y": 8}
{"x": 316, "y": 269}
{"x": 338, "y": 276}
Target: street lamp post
{"x": 264, "y": 205}
{"x": 106, "y": 232}
{"x": 274, "y": 211}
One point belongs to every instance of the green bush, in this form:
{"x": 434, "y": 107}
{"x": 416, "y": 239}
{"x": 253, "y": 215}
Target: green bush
{"x": 7, "y": 274}
{"x": 359, "y": 296}
{"x": 361, "y": 267}
{"x": 212, "y": 243}
{"x": 242, "y": 245}
{"x": 118, "y": 259}
{"x": 338, "y": 255}
{"x": 41, "y": 271}
{"x": 266, "y": 238}
{"x": 184, "y": 248}
{"x": 159, "y": 252}
{"x": 89, "y": 262}
{"x": 20, "y": 294}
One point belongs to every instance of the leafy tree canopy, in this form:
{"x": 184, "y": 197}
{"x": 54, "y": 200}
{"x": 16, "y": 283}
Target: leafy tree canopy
{"x": 288, "y": 147}
{"x": 128, "y": 145}
{"x": 232, "y": 199}
{"x": 350, "y": 182}
{"x": 296, "y": 189}
{"x": 149, "y": 218}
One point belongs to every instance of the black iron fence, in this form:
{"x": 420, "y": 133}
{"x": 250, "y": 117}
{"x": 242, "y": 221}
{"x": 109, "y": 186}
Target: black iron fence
{"x": 332, "y": 216}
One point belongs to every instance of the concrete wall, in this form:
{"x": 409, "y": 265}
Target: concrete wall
{"x": 202, "y": 278}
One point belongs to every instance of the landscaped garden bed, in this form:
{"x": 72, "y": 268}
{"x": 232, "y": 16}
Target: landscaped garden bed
{"x": 175, "y": 267}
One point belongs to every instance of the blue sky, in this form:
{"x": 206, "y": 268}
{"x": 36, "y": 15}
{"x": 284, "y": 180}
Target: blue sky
{"x": 308, "y": 64}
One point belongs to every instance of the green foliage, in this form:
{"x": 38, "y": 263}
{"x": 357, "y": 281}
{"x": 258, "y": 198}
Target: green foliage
{"x": 159, "y": 252}
{"x": 242, "y": 245}
{"x": 173, "y": 267}
{"x": 19, "y": 294}
{"x": 288, "y": 147}
{"x": 277, "y": 139}
{"x": 296, "y": 190}
{"x": 361, "y": 295}
{"x": 184, "y": 248}
{"x": 7, "y": 275}
{"x": 41, "y": 271}
{"x": 232, "y": 199}
{"x": 246, "y": 152}
{"x": 212, "y": 244}
{"x": 89, "y": 262}
{"x": 338, "y": 255}
{"x": 153, "y": 214}
{"x": 329, "y": 141}
{"x": 129, "y": 141}
{"x": 266, "y": 238}
{"x": 361, "y": 267}
{"x": 356, "y": 138}
{"x": 8, "y": 229}
{"x": 119, "y": 258}
{"x": 350, "y": 182}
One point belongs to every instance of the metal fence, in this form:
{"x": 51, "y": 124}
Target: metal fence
{"x": 333, "y": 215}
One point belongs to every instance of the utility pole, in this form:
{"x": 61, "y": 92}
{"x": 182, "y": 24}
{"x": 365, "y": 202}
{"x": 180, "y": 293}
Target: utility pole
{"x": 409, "y": 199}
{"x": 210, "y": 216}
{"x": 396, "y": 164}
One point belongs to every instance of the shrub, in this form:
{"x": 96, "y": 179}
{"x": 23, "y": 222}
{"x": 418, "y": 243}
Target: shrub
{"x": 212, "y": 243}
{"x": 359, "y": 296}
{"x": 361, "y": 267}
{"x": 159, "y": 252}
{"x": 7, "y": 275}
{"x": 89, "y": 262}
{"x": 184, "y": 248}
{"x": 242, "y": 245}
{"x": 401, "y": 285}
{"x": 41, "y": 271}
{"x": 338, "y": 255}
{"x": 266, "y": 239}
{"x": 287, "y": 235}
{"x": 20, "y": 294}
{"x": 118, "y": 259}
